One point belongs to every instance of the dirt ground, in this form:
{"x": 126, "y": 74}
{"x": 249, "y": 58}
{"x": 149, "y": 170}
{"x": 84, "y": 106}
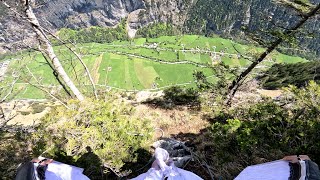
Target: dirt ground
{"x": 174, "y": 121}
{"x": 270, "y": 93}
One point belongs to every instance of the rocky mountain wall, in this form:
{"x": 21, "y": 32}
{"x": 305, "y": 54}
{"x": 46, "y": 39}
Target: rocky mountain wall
{"x": 84, "y": 13}
{"x": 225, "y": 17}
{"x": 76, "y": 14}
{"x": 108, "y": 13}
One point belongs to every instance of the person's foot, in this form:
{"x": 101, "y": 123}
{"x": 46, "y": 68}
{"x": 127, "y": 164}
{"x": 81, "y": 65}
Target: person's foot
{"x": 296, "y": 158}
{"x": 42, "y": 162}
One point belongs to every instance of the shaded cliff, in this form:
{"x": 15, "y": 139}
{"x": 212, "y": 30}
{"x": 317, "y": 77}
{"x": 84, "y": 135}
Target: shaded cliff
{"x": 76, "y": 14}
{"x": 108, "y": 13}
{"x": 228, "y": 17}
{"x": 84, "y": 13}
{"x": 225, "y": 17}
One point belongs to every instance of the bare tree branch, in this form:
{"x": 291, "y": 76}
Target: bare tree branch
{"x": 47, "y": 47}
{"x": 54, "y": 72}
{"x": 38, "y": 86}
{"x": 11, "y": 90}
{"x": 80, "y": 60}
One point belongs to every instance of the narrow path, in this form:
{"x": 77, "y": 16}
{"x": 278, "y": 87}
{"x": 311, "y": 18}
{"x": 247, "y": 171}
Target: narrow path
{"x": 151, "y": 58}
{"x": 128, "y": 90}
{"x": 201, "y": 51}
{"x": 95, "y": 69}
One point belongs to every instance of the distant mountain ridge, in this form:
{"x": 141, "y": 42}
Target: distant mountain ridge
{"x": 228, "y": 17}
{"x": 108, "y": 13}
{"x": 225, "y": 17}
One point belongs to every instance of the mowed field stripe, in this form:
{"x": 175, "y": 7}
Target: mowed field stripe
{"x": 116, "y": 77}
{"x": 146, "y": 74}
{"x": 95, "y": 69}
{"x": 127, "y": 80}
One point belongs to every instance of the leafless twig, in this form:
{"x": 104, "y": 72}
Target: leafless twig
{"x": 80, "y": 60}
{"x": 43, "y": 89}
{"x": 11, "y": 89}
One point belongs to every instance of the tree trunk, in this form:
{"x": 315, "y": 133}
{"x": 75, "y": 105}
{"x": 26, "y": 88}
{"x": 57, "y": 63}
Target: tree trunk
{"x": 233, "y": 88}
{"x": 56, "y": 75}
{"x": 80, "y": 59}
{"x": 48, "y": 50}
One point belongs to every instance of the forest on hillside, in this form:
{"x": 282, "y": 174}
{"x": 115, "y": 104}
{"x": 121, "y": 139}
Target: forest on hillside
{"x": 280, "y": 75}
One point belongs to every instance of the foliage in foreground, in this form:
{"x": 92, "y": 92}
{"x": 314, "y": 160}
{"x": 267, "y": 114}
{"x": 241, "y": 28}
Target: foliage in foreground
{"x": 14, "y": 149}
{"x": 104, "y": 127}
{"x": 265, "y": 131}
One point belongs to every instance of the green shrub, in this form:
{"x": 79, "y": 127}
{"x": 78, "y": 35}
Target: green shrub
{"x": 181, "y": 96}
{"x": 94, "y": 34}
{"x": 269, "y": 126}
{"x": 266, "y": 131}
{"x": 38, "y": 108}
{"x": 106, "y": 127}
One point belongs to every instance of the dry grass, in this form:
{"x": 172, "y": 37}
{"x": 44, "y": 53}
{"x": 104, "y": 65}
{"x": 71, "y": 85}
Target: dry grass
{"x": 95, "y": 69}
{"x": 173, "y": 122}
{"x": 270, "y": 93}
{"x": 184, "y": 125}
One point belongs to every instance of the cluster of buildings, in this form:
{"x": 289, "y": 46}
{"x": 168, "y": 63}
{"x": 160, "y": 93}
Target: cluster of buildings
{"x": 3, "y": 68}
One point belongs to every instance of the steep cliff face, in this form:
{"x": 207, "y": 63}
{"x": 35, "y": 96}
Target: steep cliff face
{"x": 14, "y": 33}
{"x": 227, "y": 17}
{"x": 171, "y": 11}
{"x": 84, "y": 13}
{"x": 194, "y": 16}
{"x": 108, "y": 13}
{"x": 76, "y": 14}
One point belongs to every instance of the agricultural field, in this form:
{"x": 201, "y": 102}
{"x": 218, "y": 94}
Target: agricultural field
{"x": 140, "y": 64}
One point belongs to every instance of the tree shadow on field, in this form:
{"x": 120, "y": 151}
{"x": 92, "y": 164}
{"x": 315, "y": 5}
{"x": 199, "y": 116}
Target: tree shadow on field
{"x": 93, "y": 167}
{"x": 169, "y": 104}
